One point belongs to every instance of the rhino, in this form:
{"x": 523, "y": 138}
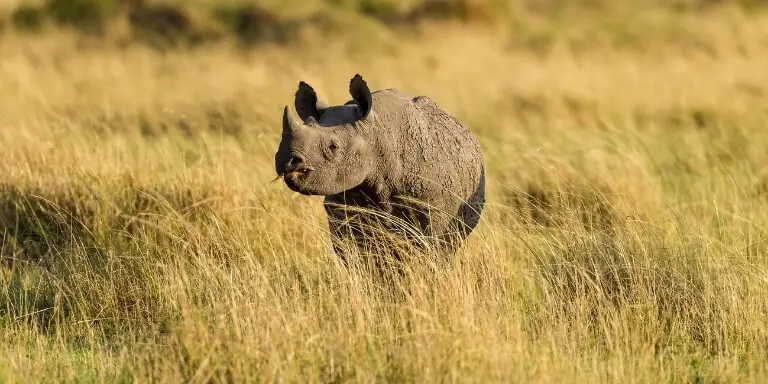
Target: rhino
{"x": 384, "y": 157}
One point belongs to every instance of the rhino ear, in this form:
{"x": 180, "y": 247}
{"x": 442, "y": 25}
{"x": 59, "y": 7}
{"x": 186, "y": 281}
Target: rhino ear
{"x": 307, "y": 103}
{"x": 361, "y": 94}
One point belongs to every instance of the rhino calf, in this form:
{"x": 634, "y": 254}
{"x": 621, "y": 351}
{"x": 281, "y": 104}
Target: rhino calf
{"x": 397, "y": 157}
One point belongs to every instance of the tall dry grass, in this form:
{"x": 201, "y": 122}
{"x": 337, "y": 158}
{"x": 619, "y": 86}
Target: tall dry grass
{"x": 625, "y": 238}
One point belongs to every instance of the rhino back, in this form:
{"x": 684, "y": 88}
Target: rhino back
{"x": 444, "y": 161}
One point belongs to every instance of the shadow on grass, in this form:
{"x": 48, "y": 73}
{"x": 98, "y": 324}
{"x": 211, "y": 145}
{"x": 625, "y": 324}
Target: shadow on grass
{"x": 36, "y": 225}
{"x": 77, "y": 259}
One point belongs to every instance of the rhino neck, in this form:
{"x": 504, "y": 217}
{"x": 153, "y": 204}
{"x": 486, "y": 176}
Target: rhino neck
{"x": 365, "y": 195}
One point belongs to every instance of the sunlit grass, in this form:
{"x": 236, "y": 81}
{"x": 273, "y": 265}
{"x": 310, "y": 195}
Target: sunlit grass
{"x": 624, "y": 237}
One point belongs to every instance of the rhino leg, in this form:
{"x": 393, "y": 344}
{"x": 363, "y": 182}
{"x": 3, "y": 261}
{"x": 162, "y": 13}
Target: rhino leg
{"x": 382, "y": 196}
{"x": 335, "y": 228}
{"x": 347, "y": 229}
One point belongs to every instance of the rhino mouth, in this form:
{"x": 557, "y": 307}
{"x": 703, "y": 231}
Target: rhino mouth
{"x": 296, "y": 179}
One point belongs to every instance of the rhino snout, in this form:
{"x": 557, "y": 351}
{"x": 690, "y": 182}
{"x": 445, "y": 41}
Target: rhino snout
{"x": 292, "y": 163}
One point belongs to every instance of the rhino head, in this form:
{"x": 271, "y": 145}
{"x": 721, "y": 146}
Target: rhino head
{"x": 324, "y": 153}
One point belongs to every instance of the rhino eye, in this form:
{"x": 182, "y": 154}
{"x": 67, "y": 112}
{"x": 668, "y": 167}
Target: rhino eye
{"x": 330, "y": 149}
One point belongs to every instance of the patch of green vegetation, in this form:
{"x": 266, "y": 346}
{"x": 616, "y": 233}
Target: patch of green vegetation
{"x": 537, "y": 26}
{"x": 379, "y": 9}
{"x": 250, "y": 23}
{"x": 91, "y": 16}
{"x": 168, "y": 26}
{"x": 28, "y": 18}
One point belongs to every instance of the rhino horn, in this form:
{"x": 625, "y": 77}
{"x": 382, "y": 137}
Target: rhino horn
{"x": 290, "y": 124}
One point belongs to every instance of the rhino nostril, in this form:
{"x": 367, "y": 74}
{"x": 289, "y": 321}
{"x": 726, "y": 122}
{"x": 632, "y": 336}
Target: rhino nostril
{"x": 295, "y": 162}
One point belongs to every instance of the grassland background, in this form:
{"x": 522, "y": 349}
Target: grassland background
{"x": 625, "y": 237}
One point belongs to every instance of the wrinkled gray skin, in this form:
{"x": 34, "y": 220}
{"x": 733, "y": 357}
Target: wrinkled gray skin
{"x": 381, "y": 151}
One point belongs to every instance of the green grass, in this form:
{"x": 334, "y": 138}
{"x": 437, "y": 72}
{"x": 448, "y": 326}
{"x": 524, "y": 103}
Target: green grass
{"x": 625, "y": 237}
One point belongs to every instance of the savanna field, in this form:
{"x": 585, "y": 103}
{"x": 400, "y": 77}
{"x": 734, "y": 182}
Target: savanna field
{"x": 625, "y": 238}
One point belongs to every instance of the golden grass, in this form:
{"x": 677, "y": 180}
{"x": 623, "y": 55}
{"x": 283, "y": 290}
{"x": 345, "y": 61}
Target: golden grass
{"x": 625, "y": 238}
